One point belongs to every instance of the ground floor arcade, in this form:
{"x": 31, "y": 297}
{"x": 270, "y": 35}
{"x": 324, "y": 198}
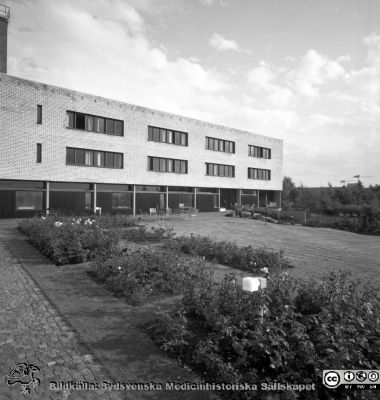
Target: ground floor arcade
{"x": 20, "y": 198}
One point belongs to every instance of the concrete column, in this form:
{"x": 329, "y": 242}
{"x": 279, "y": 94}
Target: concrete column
{"x": 134, "y": 201}
{"x": 258, "y": 198}
{"x": 195, "y": 197}
{"x": 47, "y": 198}
{"x": 94, "y": 197}
{"x": 238, "y": 195}
{"x": 218, "y": 197}
{"x": 167, "y": 198}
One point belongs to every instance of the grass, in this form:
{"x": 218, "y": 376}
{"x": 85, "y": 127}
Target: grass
{"x": 313, "y": 252}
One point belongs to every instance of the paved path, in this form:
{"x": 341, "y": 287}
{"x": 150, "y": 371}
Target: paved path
{"x": 312, "y": 250}
{"x": 32, "y": 332}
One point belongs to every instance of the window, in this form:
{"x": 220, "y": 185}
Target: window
{"x": 29, "y": 200}
{"x": 92, "y": 123}
{"x": 71, "y": 121}
{"x": 167, "y": 136}
{"x": 118, "y": 160}
{"x": 260, "y": 152}
{"x": 39, "y": 114}
{"x": 261, "y": 174}
{"x": 110, "y": 126}
{"x": 79, "y": 156}
{"x": 121, "y": 200}
{"x": 89, "y": 122}
{"x": 39, "y": 152}
{"x": 99, "y": 124}
{"x": 87, "y": 200}
{"x": 93, "y": 158}
{"x": 99, "y": 158}
{"x": 109, "y": 160}
{"x": 89, "y": 157}
{"x": 220, "y": 145}
{"x": 159, "y": 164}
{"x": 80, "y": 121}
{"x": 220, "y": 170}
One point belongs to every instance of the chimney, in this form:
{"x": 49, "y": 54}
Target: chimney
{"x": 4, "y": 20}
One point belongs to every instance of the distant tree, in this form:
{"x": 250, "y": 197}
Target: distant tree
{"x": 289, "y": 193}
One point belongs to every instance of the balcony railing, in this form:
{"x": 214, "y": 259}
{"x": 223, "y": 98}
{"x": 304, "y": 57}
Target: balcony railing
{"x": 5, "y": 12}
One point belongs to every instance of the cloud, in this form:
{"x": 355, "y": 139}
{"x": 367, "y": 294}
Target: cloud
{"x": 314, "y": 70}
{"x": 207, "y": 3}
{"x": 220, "y": 43}
{"x": 263, "y": 78}
{"x": 105, "y": 53}
{"x": 373, "y": 46}
{"x": 210, "y": 3}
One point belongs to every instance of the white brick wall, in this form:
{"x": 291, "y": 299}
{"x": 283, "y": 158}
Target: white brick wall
{"x": 20, "y": 133}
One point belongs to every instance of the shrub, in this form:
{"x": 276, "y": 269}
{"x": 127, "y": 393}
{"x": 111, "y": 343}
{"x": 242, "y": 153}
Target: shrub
{"x": 108, "y": 221}
{"x": 245, "y": 258}
{"x": 69, "y": 242}
{"x": 146, "y": 275}
{"x": 145, "y": 234}
{"x": 290, "y": 332}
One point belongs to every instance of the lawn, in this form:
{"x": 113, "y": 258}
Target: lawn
{"x": 313, "y": 251}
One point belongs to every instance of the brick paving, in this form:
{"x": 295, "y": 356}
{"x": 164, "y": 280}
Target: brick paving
{"x": 33, "y": 332}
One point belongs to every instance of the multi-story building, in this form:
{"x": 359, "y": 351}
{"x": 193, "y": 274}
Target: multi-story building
{"x": 66, "y": 150}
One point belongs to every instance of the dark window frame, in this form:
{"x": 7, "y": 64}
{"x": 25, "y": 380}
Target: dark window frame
{"x": 169, "y": 136}
{"x": 80, "y": 158}
{"x": 26, "y": 200}
{"x": 39, "y": 153}
{"x": 223, "y": 170}
{"x": 259, "y": 152}
{"x": 260, "y": 173}
{"x": 105, "y": 125}
{"x": 221, "y": 145}
{"x": 39, "y": 113}
{"x": 167, "y": 165}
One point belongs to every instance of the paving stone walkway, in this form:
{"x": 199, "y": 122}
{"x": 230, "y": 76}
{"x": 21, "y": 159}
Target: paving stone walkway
{"x": 32, "y": 332}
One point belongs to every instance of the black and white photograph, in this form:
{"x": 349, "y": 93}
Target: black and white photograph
{"x": 189, "y": 199}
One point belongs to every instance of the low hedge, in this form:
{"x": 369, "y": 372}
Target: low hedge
{"x": 147, "y": 234}
{"x": 245, "y": 258}
{"x": 146, "y": 275}
{"x": 288, "y": 333}
{"x": 70, "y": 240}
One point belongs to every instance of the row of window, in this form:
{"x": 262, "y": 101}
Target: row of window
{"x": 257, "y": 173}
{"x": 111, "y": 126}
{"x": 93, "y": 123}
{"x": 159, "y": 164}
{"x": 167, "y": 136}
{"x": 115, "y": 127}
{"x": 93, "y": 158}
{"x": 107, "y": 159}
{"x": 260, "y": 152}
{"x": 220, "y": 145}
{"x": 220, "y": 170}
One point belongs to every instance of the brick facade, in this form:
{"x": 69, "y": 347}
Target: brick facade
{"x": 20, "y": 133}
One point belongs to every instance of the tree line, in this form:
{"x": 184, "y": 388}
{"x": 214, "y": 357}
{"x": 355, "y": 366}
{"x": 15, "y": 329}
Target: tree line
{"x": 358, "y": 206}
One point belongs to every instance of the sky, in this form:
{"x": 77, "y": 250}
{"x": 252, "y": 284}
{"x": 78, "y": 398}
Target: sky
{"x": 305, "y": 71}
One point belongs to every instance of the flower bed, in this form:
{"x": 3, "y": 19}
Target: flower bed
{"x": 288, "y": 333}
{"x": 69, "y": 240}
{"x": 146, "y": 275}
{"x": 245, "y": 258}
{"x": 147, "y": 234}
